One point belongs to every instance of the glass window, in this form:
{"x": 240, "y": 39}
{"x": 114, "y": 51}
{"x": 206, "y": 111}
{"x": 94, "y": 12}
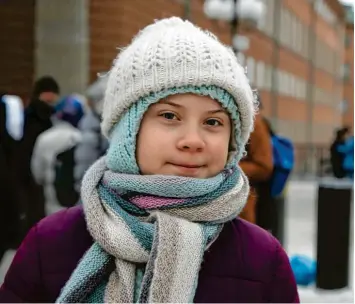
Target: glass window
{"x": 348, "y": 40}
{"x": 241, "y": 59}
{"x": 268, "y": 76}
{"x": 346, "y": 71}
{"x": 251, "y": 69}
{"x": 294, "y": 32}
{"x": 282, "y": 30}
{"x": 287, "y": 28}
{"x": 260, "y": 75}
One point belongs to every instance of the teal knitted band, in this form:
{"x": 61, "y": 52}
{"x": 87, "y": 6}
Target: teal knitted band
{"x": 121, "y": 155}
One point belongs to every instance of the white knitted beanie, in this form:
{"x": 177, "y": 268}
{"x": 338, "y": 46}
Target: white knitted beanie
{"x": 172, "y": 53}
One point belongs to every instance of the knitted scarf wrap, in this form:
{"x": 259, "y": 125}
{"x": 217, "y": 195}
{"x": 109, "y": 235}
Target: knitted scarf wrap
{"x": 151, "y": 233}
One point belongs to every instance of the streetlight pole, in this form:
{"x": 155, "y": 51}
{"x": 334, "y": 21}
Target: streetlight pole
{"x": 234, "y": 26}
{"x": 235, "y": 12}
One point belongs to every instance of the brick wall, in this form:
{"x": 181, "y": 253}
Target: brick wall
{"x": 17, "y": 46}
{"x": 113, "y": 24}
{"x": 348, "y": 117}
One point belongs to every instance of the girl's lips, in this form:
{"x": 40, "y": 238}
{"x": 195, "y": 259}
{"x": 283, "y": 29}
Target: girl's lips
{"x": 188, "y": 166}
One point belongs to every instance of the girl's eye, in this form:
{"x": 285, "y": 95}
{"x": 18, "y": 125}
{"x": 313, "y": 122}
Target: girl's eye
{"x": 169, "y": 116}
{"x": 213, "y": 122}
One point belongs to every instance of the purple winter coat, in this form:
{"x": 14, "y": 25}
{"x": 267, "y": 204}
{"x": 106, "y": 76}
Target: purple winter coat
{"x": 245, "y": 264}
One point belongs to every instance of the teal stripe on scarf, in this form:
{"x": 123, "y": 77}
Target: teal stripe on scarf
{"x": 230, "y": 180}
{"x": 143, "y": 232}
{"x": 92, "y": 267}
{"x": 125, "y": 205}
{"x": 98, "y": 295}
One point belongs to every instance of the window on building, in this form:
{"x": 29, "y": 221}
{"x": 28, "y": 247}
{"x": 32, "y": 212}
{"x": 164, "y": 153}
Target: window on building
{"x": 280, "y": 81}
{"x": 300, "y": 34}
{"x": 262, "y": 23}
{"x": 292, "y": 85}
{"x": 346, "y": 71}
{"x": 268, "y": 77}
{"x": 287, "y": 28}
{"x": 344, "y": 106}
{"x": 286, "y": 31}
{"x": 305, "y": 38}
{"x": 303, "y": 94}
{"x": 251, "y": 69}
{"x": 270, "y": 17}
{"x": 241, "y": 59}
{"x": 348, "y": 40}
{"x": 294, "y": 32}
{"x": 260, "y": 75}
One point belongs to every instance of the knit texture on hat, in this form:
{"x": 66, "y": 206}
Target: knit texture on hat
{"x": 173, "y": 53}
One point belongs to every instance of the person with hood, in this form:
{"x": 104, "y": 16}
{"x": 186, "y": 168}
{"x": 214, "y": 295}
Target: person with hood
{"x": 60, "y": 138}
{"x": 159, "y": 219}
{"x": 37, "y": 119}
{"x": 93, "y": 144}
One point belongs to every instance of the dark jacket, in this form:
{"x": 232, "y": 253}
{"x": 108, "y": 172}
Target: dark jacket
{"x": 30, "y": 196}
{"x": 9, "y": 219}
{"x": 245, "y": 264}
{"x": 337, "y": 159}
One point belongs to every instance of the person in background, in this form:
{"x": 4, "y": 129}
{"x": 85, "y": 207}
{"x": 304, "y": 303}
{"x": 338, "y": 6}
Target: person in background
{"x": 93, "y": 144}
{"x": 257, "y": 165}
{"x": 11, "y": 131}
{"x": 37, "y": 119}
{"x": 347, "y": 149}
{"x": 62, "y": 137}
{"x": 336, "y": 156}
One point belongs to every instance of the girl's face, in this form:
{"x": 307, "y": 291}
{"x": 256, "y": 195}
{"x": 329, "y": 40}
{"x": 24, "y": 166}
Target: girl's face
{"x": 185, "y": 135}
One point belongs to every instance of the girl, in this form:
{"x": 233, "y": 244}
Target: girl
{"x": 159, "y": 217}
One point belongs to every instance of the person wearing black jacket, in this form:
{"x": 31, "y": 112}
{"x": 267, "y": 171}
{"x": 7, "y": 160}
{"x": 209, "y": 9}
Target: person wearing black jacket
{"x": 336, "y": 157}
{"x": 8, "y": 210}
{"x": 27, "y": 196}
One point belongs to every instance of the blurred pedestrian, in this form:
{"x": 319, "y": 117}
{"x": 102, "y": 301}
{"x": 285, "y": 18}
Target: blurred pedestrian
{"x": 337, "y": 157}
{"x": 11, "y": 130}
{"x": 258, "y": 167}
{"x": 60, "y": 140}
{"x": 93, "y": 144}
{"x": 37, "y": 119}
{"x": 161, "y": 206}
{"x": 347, "y": 150}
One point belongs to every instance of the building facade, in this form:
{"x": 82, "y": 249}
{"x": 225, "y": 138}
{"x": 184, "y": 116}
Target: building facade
{"x": 348, "y": 70}
{"x": 294, "y": 57}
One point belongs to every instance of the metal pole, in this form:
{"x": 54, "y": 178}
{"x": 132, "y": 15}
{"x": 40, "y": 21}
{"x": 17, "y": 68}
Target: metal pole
{"x": 187, "y": 9}
{"x": 234, "y": 25}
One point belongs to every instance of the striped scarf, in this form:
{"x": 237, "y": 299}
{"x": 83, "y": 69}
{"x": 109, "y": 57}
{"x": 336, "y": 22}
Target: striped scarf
{"x": 150, "y": 233}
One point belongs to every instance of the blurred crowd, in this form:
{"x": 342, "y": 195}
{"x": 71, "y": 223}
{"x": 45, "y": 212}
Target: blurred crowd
{"x": 45, "y": 150}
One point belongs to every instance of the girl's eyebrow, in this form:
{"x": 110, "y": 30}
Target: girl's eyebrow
{"x": 221, "y": 110}
{"x": 169, "y": 102}
{"x": 166, "y": 101}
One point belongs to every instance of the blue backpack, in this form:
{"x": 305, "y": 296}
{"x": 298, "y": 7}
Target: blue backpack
{"x": 283, "y": 157}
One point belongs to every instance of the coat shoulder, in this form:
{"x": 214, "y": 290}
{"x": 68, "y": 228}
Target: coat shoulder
{"x": 267, "y": 262}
